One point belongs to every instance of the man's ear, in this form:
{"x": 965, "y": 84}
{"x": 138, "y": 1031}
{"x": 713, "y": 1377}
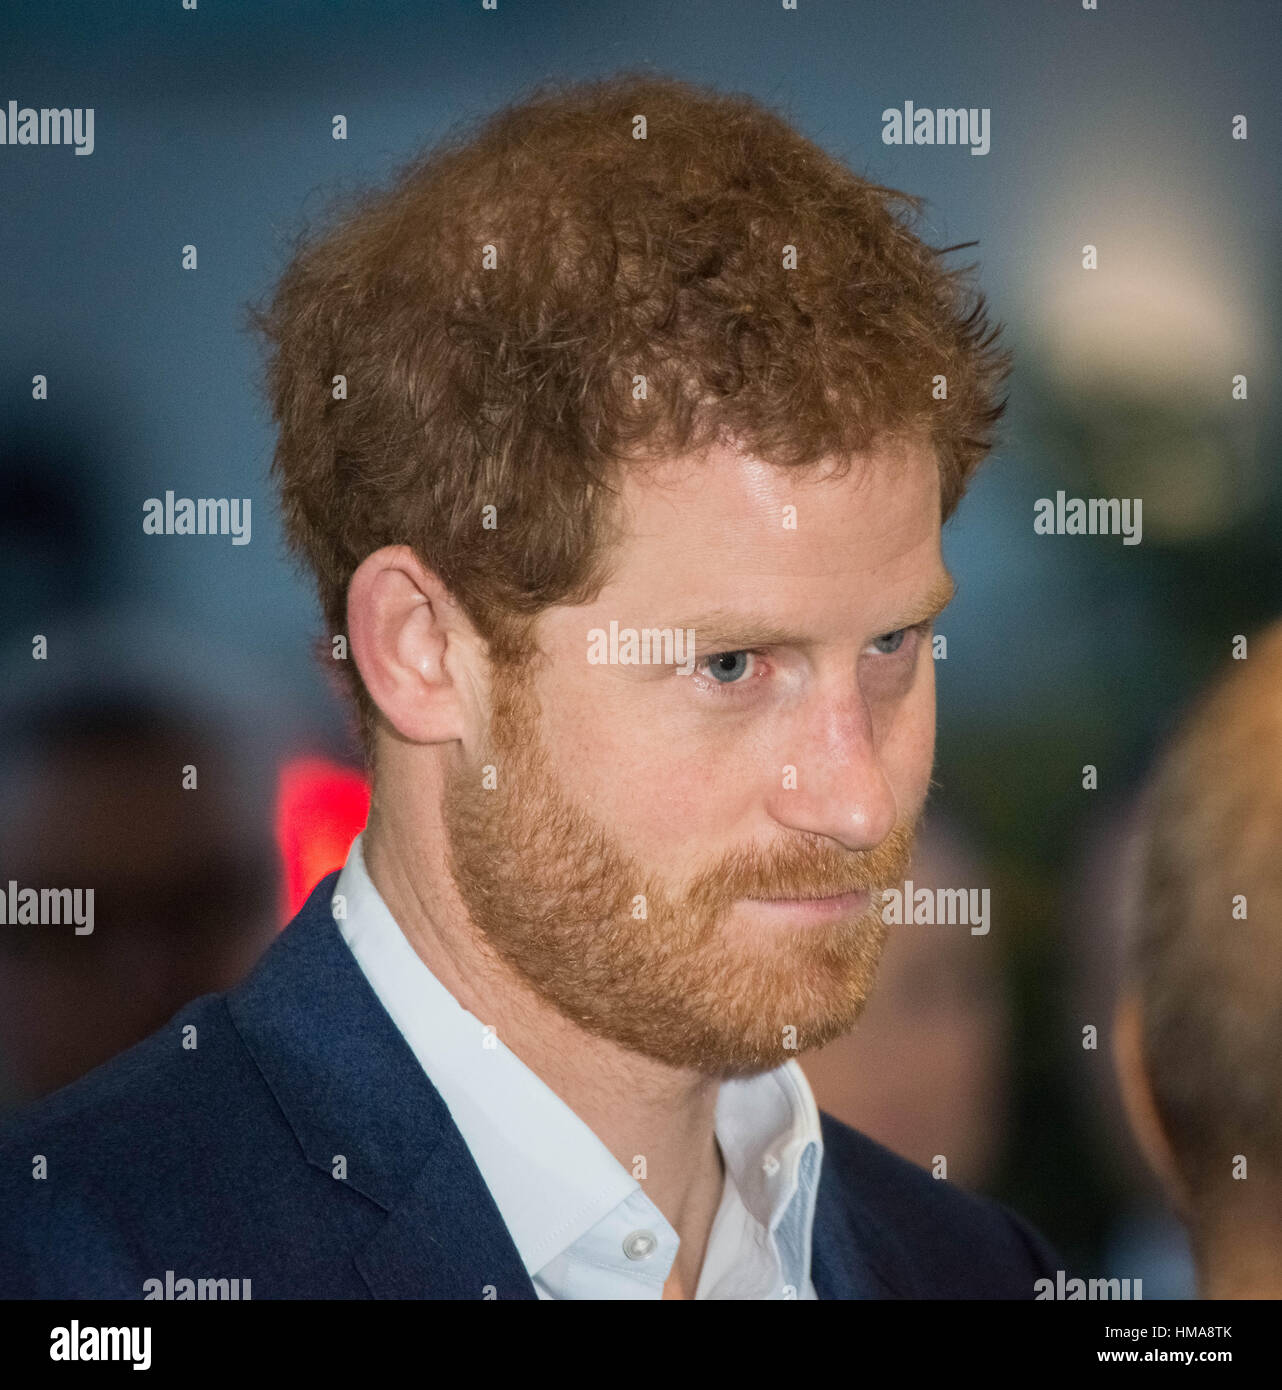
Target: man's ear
{"x": 1137, "y": 1098}
{"x": 414, "y": 647}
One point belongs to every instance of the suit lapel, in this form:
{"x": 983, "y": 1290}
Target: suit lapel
{"x": 407, "y": 1258}
{"x": 365, "y": 1113}
{"x": 851, "y": 1255}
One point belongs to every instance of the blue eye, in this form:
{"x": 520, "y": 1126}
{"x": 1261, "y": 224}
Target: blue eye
{"x": 727, "y": 667}
{"x": 890, "y": 642}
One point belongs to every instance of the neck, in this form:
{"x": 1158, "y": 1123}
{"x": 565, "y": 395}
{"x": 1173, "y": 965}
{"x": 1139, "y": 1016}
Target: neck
{"x": 1232, "y": 1282}
{"x": 1239, "y": 1258}
{"x": 640, "y": 1109}
{"x": 1245, "y": 1271}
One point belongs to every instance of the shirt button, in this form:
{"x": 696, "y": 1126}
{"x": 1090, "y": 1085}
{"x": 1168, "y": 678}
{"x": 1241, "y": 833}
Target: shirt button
{"x": 640, "y": 1245}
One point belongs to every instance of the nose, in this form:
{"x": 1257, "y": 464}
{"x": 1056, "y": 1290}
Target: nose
{"x": 832, "y": 780}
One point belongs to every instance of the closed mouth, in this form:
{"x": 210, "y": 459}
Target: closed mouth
{"x": 813, "y": 897}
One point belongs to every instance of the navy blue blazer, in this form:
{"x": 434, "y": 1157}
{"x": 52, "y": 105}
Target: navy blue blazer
{"x": 219, "y": 1161}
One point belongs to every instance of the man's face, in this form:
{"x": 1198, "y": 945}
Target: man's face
{"x": 641, "y": 859}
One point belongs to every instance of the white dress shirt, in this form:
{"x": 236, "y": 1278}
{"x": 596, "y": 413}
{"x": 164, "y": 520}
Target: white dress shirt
{"x": 581, "y": 1222}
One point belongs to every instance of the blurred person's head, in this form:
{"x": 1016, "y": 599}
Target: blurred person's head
{"x": 139, "y": 801}
{"x": 925, "y": 1072}
{"x": 636, "y": 357}
{"x": 1199, "y": 1026}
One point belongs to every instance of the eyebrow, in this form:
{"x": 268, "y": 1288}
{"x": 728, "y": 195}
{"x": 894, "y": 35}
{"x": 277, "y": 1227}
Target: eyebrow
{"x": 725, "y": 629}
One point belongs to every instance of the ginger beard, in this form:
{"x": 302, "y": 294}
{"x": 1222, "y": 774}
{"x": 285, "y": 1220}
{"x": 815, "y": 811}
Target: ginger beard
{"x": 556, "y": 896}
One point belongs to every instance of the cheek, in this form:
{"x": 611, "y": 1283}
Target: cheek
{"x": 908, "y": 747}
{"x": 654, "y": 788}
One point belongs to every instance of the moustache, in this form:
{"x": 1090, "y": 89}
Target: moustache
{"x": 810, "y": 869}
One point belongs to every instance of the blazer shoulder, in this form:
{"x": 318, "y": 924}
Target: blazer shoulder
{"x": 171, "y": 1070}
{"x": 91, "y": 1172}
{"x": 946, "y": 1242}
{"x": 189, "y": 1072}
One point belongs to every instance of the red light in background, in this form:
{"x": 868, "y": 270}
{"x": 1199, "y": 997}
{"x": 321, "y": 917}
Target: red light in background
{"x": 321, "y": 806}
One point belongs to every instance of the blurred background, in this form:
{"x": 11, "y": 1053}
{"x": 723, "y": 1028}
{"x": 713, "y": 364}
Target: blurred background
{"x": 213, "y": 128}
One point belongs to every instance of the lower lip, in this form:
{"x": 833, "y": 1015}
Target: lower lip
{"x": 812, "y": 909}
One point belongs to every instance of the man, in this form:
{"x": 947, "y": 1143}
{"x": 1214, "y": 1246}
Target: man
{"x": 1198, "y": 1033}
{"x": 618, "y": 437}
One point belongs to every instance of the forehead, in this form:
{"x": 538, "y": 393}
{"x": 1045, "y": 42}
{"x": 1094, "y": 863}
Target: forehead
{"x": 720, "y": 524}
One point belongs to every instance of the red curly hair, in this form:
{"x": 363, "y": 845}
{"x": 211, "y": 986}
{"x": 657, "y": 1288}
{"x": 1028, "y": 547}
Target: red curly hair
{"x": 493, "y": 309}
